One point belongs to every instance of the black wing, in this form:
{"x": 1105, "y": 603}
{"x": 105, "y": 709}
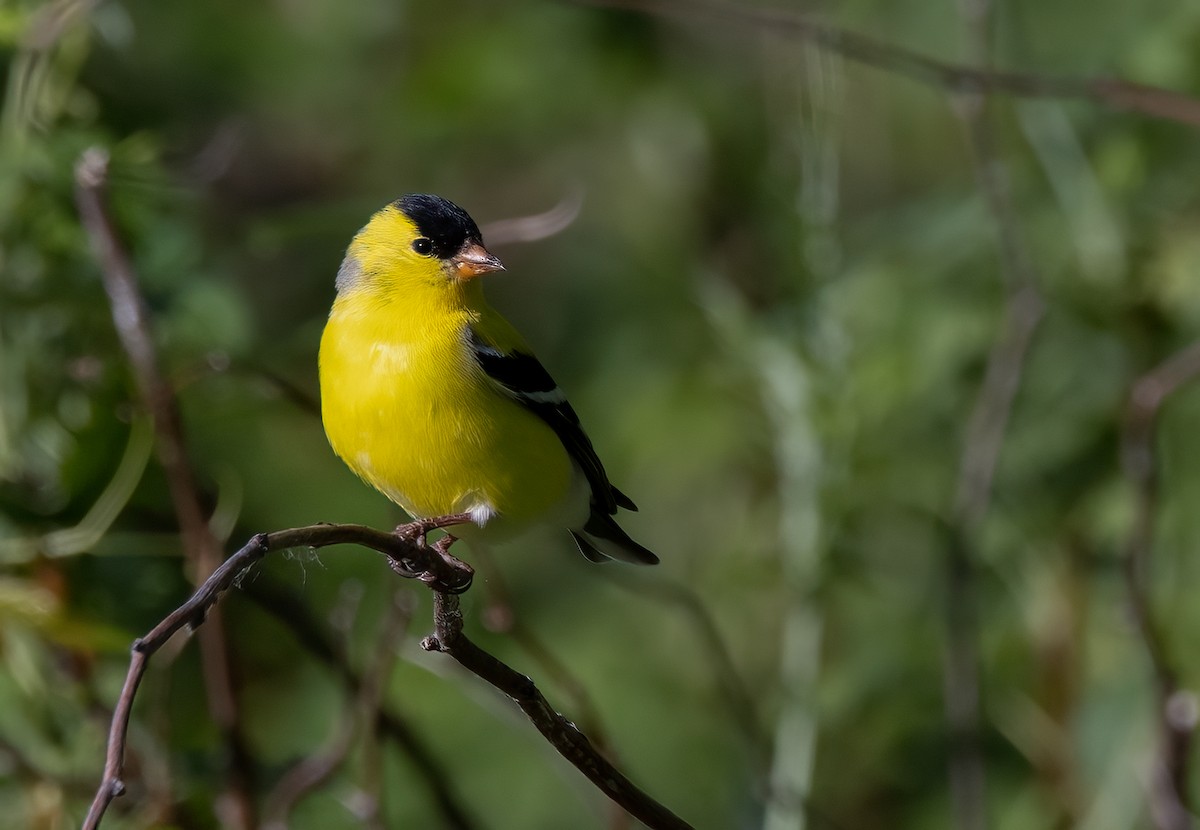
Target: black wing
{"x": 526, "y": 379}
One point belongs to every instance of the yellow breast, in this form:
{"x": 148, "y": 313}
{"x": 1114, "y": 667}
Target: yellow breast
{"x": 406, "y": 407}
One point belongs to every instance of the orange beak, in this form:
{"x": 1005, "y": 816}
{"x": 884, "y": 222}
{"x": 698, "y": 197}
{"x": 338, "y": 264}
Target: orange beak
{"x": 473, "y": 260}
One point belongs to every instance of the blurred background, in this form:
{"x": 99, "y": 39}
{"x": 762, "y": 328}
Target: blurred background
{"x": 863, "y": 346}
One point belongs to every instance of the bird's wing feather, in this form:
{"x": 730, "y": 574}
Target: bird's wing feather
{"x": 525, "y": 379}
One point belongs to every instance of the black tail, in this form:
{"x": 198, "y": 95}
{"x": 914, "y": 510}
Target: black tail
{"x": 602, "y": 539}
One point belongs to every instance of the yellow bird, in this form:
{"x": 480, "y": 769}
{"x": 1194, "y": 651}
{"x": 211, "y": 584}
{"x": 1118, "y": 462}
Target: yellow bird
{"x": 434, "y": 399}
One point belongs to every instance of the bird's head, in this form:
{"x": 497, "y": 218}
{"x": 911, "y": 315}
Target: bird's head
{"x": 417, "y": 242}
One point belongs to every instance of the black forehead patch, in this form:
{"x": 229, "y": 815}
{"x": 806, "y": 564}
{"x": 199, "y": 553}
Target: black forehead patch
{"x": 444, "y": 223}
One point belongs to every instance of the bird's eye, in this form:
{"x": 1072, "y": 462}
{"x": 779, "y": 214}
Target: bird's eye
{"x": 422, "y": 246}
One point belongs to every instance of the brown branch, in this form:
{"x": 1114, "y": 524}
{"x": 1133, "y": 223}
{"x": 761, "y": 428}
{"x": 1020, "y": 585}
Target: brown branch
{"x": 448, "y": 637}
{"x": 409, "y": 557}
{"x": 1115, "y": 93}
{"x": 500, "y": 616}
{"x": 201, "y": 549}
{"x": 1169, "y": 801}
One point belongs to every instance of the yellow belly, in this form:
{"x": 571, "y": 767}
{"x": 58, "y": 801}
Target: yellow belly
{"x": 415, "y": 418}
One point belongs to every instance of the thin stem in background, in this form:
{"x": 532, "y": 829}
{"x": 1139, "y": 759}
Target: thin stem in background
{"x": 315, "y": 770}
{"x": 1114, "y": 93}
{"x": 201, "y": 549}
{"x": 1176, "y": 706}
{"x": 316, "y": 638}
{"x": 986, "y": 432}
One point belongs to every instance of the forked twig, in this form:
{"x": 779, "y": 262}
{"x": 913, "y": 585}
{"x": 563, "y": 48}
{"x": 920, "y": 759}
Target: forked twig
{"x": 409, "y": 557}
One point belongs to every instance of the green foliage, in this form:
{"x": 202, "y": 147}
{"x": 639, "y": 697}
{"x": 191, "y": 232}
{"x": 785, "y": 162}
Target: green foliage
{"x": 773, "y": 313}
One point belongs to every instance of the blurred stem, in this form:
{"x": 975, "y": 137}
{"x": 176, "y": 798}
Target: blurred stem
{"x": 99, "y": 517}
{"x": 739, "y": 699}
{"x": 1177, "y": 707}
{"x": 1115, "y": 93}
{"x": 987, "y": 429}
{"x": 806, "y": 142}
{"x": 200, "y": 546}
{"x": 360, "y": 720}
{"x": 784, "y": 386}
{"x": 315, "y": 637}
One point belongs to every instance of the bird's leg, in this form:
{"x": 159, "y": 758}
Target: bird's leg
{"x": 417, "y": 530}
{"x": 444, "y": 572}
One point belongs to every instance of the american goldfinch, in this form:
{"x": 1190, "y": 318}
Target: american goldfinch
{"x": 434, "y": 399}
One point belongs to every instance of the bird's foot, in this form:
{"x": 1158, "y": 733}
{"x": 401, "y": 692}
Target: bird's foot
{"x": 416, "y": 531}
{"x": 436, "y": 568}
{"x": 447, "y": 573}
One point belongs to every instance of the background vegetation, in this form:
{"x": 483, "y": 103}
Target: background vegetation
{"x": 861, "y": 346}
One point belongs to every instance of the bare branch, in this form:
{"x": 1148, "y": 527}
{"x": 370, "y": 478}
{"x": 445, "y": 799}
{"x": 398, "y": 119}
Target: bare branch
{"x": 500, "y": 615}
{"x": 1115, "y": 93}
{"x": 1177, "y": 708}
{"x": 409, "y": 557}
{"x": 739, "y": 702}
{"x": 563, "y": 735}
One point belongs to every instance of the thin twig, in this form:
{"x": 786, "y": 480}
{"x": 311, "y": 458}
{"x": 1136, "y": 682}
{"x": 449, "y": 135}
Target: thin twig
{"x": 200, "y": 547}
{"x": 986, "y": 432}
{"x": 500, "y": 615}
{"x": 739, "y": 702}
{"x": 563, "y": 735}
{"x": 1116, "y": 93}
{"x": 409, "y": 557}
{"x": 1177, "y": 708}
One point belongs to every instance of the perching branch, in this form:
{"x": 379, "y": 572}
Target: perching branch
{"x": 448, "y": 637}
{"x": 1115, "y": 93}
{"x": 1176, "y": 715}
{"x": 500, "y": 615}
{"x": 409, "y": 557}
